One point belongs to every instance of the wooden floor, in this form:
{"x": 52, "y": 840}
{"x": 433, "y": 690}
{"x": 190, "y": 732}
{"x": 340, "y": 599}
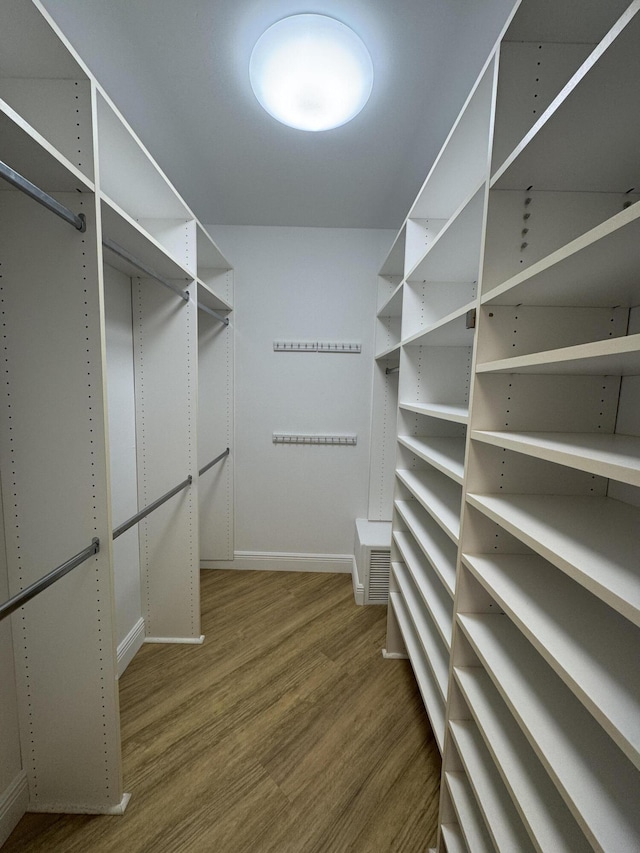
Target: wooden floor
{"x": 286, "y": 732}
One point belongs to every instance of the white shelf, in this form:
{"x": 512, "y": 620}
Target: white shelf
{"x": 434, "y": 596}
{"x": 435, "y": 544}
{"x": 610, "y": 357}
{"x": 426, "y": 682}
{"x": 207, "y": 297}
{"x": 394, "y": 262}
{"x": 433, "y": 649}
{"x": 614, "y": 456}
{"x": 599, "y": 784}
{"x": 599, "y": 268}
{"x": 438, "y": 495}
{"x": 500, "y": 815}
{"x": 466, "y": 808}
{"x": 209, "y": 256}
{"x": 445, "y": 454}
{"x": 451, "y": 331}
{"x": 393, "y": 306}
{"x": 390, "y": 353}
{"x": 546, "y": 158}
{"x": 455, "y": 414}
{"x": 453, "y": 838}
{"x": 594, "y": 540}
{"x": 550, "y": 823}
{"x": 591, "y": 647}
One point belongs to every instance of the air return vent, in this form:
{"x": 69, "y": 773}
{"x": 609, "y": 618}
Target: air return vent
{"x": 376, "y": 588}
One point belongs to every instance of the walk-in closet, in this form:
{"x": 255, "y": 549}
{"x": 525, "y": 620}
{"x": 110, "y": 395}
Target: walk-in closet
{"x": 320, "y": 452}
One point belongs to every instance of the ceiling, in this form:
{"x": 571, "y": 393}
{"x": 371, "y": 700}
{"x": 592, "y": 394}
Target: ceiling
{"x": 178, "y": 71}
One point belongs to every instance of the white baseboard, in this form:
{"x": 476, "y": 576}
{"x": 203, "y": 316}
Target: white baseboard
{"x": 188, "y": 641}
{"x": 14, "y": 802}
{"x": 271, "y": 561}
{"x": 131, "y": 644}
{"x": 358, "y": 586}
{"x": 65, "y": 808}
{"x": 394, "y": 655}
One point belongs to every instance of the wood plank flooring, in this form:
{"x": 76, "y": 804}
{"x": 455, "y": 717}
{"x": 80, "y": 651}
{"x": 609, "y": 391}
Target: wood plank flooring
{"x": 286, "y": 732}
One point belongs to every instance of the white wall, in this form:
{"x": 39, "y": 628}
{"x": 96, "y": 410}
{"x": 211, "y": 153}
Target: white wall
{"x": 306, "y": 284}
{"x": 122, "y": 448}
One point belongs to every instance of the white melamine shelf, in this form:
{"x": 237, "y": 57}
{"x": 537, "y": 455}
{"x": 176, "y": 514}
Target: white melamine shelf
{"x": 586, "y": 118}
{"x": 614, "y": 456}
{"x": 454, "y": 255}
{"x": 591, "y": 647}
{"x": 600, "y": 785}
{"x": 118, "y": 226}
{"x": 28, "y": 153}
{"x": 393, "y": 306}
{"x": 599, "y": 268}
{"x": 541, "y": 807}
{"x": 390, "y": 353}
{"x": 453, "y": 838}
{"x": 595, "y": 540}
{"x": 209, "y": 255}
{"x": 434, "y": 596}
{"x": 437, "y": 547}
{"x": 426, "y": 683}
{"x": 610, "y": 357}
{"x": 428, "y": 638}
{"x": 466, "y": 808}
{"x": 455, "y": 414}
{"x": 211, "y": 299}
{"x": 438, "y": 495}
{"x": 451, "y": 331}
{"x": 394, "y": 262}
{"x": 445, "y": 454}
{"x": 500, "y": 815}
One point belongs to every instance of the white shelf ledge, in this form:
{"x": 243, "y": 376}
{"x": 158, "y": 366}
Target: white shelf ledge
{"x": 435, "y": 599}
{"x": 466, "y": 808}
{"x": 392, "y": 352}
{"x": 594, "y": 540}
{"x": 211, "y": 299}
{"x": 543, "y": 810}
{"x": 393, "y": 306}
{"x": 614, "y": 456}
{"x": 450, "y": 331}
{"x": 453, "y": 838}
{"x": 437, "y": 547}
{"x": 455, "y": 414}
{"x": 438, "y": 495}
{"x": 426, "y": 682}
{"x": 599, "y": 784}
{"x": 445, "y": 454}
{"x": 591, "y": 647}
{"x": 502, "y": 820}
{"x": 610, "y": 357}
{"x": 394, "y": 262}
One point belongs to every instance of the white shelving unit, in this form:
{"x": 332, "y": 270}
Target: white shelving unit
{"x": 99, "y": 418}
{"x": 518, "y": 458}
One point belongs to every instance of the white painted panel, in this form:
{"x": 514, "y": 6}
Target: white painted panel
{"x": 165, "y": 343}
{"x": 52, "y": 451}
{"x": 122, "y": 447}
{"x": 302, "y": 284}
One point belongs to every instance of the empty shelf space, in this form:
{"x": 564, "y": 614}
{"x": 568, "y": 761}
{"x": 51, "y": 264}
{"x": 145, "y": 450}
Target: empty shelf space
{"x": 451, "y": 331}
{"x": 455, "y": 414}
{"x": 614, "y": 456}
{"x": 610, "y": 357}
{"x": 426, "y": 682}
{"x": 393, "y": 306}
{"x": 598, "y": 268}
{"x": 546, "y": 158}
{"x": 453, "y": 838}
{"x": 595, "y": 540}
{"x": 438, "y": 495}
{"x": 598, "y": 782}
{"x": 466, "y": 808}
{"x": 433, "y": 649}
{"x": 445, "y": 454}
{"x": 543, "y": 810}
{"x": 590, "y": 646}
{"x": 389, "y": 354}
{"x": 209, "y": 255}
{"x": 499, "y": 812}
{"x": 394, "y": 262}
{"x": 435, "y": 544}
{"x": 436, "y": 601}
{"x": 206, "y": 296}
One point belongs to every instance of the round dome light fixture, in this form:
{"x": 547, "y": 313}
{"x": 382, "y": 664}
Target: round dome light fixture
{"x": 311, "y": 72}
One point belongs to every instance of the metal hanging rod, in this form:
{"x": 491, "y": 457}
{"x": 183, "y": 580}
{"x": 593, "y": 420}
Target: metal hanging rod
{"x": 223, "y": 320}
{"x": 20, "y": 182}
{"x": 391, "y": 370}
{"x": 213, "y": 462}
{"x": 136, "y": 262}
{"x": 122, "y": 528}
{"x": 50, "y": 578}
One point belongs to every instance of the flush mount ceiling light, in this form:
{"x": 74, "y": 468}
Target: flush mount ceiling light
{"x": 311, "y": 72}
